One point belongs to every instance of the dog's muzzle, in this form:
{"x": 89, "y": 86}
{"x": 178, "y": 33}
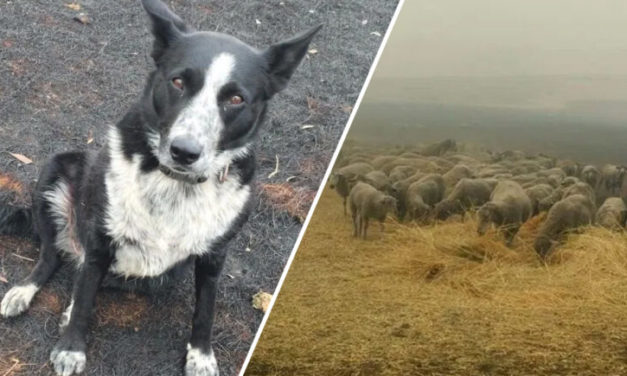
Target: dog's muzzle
{"x": 192, "y": 179}
{"x": 181, "y": 176}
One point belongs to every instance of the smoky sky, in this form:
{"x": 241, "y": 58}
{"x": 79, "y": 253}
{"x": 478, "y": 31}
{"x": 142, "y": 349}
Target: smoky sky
{"x": 538, "y": 54}
{"x": 535, "y": 75}
{"x": 507, "y": 38}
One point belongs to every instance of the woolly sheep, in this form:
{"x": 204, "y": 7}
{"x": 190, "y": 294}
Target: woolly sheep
{"x": 367, "y": 202}
{"x": 570, "y": 213}
{"x": 612, "y": 214}
{"x": 467, "y": 194}
{"x": 509, "y": 207}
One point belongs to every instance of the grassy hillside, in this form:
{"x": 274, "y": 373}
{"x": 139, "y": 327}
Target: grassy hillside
{"x": 441, "y": 300}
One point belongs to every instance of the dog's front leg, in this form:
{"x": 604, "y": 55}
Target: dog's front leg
{"x": 201, "y": 360}
{"x": 68, "y": 355}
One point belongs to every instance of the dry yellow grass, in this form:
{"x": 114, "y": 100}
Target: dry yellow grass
{"x": 442, "y": 301}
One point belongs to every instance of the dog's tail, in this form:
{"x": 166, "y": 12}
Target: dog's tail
{"x": 16, "y": 221}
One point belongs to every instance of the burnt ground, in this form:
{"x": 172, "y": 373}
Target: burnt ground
{"x": 63, "y": 82}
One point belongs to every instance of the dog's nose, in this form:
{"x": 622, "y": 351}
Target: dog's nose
{"x": 185, "y": 150}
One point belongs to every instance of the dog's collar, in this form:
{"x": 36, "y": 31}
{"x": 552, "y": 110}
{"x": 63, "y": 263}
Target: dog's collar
{"x": 222, "y": 176}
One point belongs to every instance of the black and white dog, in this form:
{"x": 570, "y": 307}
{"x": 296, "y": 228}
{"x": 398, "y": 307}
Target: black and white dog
{"x": 173, "y": 182}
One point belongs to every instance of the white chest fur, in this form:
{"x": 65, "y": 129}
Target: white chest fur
{"x": 156, "y": 222}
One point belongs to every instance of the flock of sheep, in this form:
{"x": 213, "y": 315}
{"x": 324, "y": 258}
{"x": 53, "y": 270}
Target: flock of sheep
{"x": 505, "y": 189}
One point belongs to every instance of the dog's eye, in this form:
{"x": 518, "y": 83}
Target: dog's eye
{"x": 235, "y": 100}
{"x": 178, "y": 83}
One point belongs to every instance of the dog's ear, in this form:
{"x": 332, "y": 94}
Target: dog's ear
{"x": 167, "y": 27}
{"x": 284, "y": 57}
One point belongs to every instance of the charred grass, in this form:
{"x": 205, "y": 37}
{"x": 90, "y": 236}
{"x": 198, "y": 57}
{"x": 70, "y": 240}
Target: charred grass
{"x": 440, "y": 300}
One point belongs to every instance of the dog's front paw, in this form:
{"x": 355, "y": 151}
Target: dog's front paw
{"x": 200, "y": 364}
{"x": 17, "y": 300}
{"x": 68, "y": 360}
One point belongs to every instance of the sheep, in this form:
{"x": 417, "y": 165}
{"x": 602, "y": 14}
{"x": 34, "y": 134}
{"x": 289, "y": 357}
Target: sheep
{"x": 399, "y": 190}
{"x": 531, "y": 166}
{"x": 344, "y": 179}
{"x": 570, "y": 213}
{"x": 509, "y": 155}
{"x": 501, "y": 176}
{"x": 377, "y": 179}
{"x": 355, "y": 159}
{"x": 402, "y": 192}
{"x": 612, "y": 214}
{"x": 554, "y": 180}
{"x": 553, "y": 171}
{"x": 520, "y": 171}
{"x": 612, "y": 177}
{"x": 537, "y": 181}
{"x": 570, "y": 185}
{"x": 382, "y": 160}
{"x": 400, "y": 187}
{"x": 536, "y": 194}
{"x": 355, "y": 169}
{"x": 591, "y": 175}
{"x": 410, "y": 154}
{"x": 525, "y": 178}
{"x": 544, "y": 160}
{"x": 546, "y": 203}
{"x": 420, "y": 164}
{"x": 443, "y": 163}
{"x": 439, "y": 148}
{"x": 422, "y": 195}
{"x": 509, "y": 207}
{"x": 580, "y": 188}
{"x": 401, "y": 172}
{"x": 455, "y": 174}
{"x": 569, "y": 167}
{"x": 492, "y": 170}
{"x": 465, "y": 159}
{"x": 388, "y": 166}
{"x": 367, "y": 202}
{"x": 568, "y": 181}
{"x": 467, "y": 194}
{"x": 492, "y": 183}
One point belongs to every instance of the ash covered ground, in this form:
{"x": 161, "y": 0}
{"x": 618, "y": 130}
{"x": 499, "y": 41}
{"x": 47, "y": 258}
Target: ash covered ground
{"x": 63, "y": 82}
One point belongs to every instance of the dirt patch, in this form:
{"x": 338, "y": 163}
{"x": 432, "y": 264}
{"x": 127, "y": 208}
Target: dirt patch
{"x": 20, "y": 247}
{"x": 46, "y": 96}
{"x": 127, "y": 309}
{"x": 47, "y": 301}
{"x": 295, "y": 201}
{"x": 311, "y": 166}
{"x": 10, "y": 183}
{"x": 18, "y": 67}
{"x": 10, "y": 365}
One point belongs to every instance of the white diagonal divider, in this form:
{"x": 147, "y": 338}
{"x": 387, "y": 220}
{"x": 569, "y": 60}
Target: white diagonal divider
{"x": 323, "y": 183}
